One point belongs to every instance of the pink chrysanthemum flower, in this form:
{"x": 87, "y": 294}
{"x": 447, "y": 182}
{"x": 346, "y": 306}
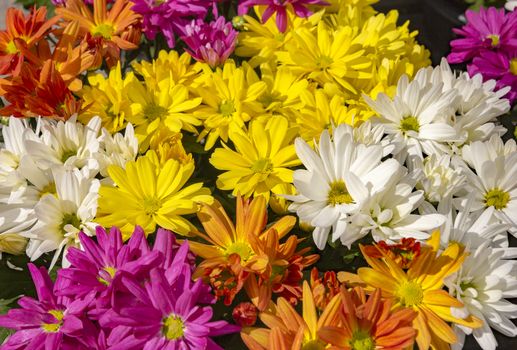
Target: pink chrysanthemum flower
{"x": 499, "y": 66}
{"x": 51, "y": 322}
{"x": 212, "y": 42}
{"x": 281, "y": 7}
{"x": 486, "y": 30}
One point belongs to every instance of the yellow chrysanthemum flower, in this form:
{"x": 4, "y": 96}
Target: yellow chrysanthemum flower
{"x": 229, "y": 99}
{"x": 164, "y": 104}
{"x": 421, "y": 289}
{"x": 149, "y": 194}
{"x": 167, "y": 145}
{"x": 107, "y": 98}
{"x": 261, "y": 159}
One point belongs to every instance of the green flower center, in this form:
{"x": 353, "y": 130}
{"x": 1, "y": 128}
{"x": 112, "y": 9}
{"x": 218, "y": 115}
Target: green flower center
{"x": 466, "y": 285}
{"x": 362, "y": 340}
{"x": 11, "y": 48}
{"x": 70, "y": 219}
{"x": 227, "y": 108}
{"x": 497, "y": 198}
{"x": 153, "y": 111}
{"x": 48, "y": 189}
{"x": 54, "y": 327}
{"x": 262, "y": 165}
{"x": 152, "y": 205}
{"x": 513, "y": 66}
{"x": 324, "y": 61}
{"x": 242, "y": 249}
{"x": 338, "y": 194}
{"x": 67, "y": 154}
{"x": 409, "y": 124}
{"x": 495, "y": 39}
{"x": 104, "y": 30}
{"x": 111, "y": 271}
{"x": 410, "y": 293}
{"x": 313, "y": 345}
{"x": 173, "y": 327}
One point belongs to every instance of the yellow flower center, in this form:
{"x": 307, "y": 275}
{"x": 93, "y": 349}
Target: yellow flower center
{"x": 67, "y": 154}
{"x": 70, "y": 219}
{"x": 324, "y": 61}
{"x": 495, "y": 39}
{"x": 173, "y": 327}
{"x": 111, "y": 271}
{"x": 513, "y": 66}
{"x": 497, "y": 198}
{"x": 262, "y": 165}
{"x": 54, "y": 327}
{"x": 152, "y": 205}
{"x": 338, "y": 194}
{"x": 409, "y": 123}
{"x": 313, "y": 345}
{"x": 226, "y": 108}
{"x": 242, "y": 249}
{"x": 48, "y": 189}
{"x": 153, "y": 111}
{"x": 11, "y": 48}
{"x": 105, "y": 30}
{"x": 410, "y": 293}
{"x": 362, "y": 340}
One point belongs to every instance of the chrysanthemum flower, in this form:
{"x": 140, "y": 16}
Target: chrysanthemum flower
{"x": 52, "y": 321}
{"x": 324, "y": 288}
{"x": 280, "y": 9}
{"x": 228, "y": 99}
{"x": 149, "y": 194}
{"x": 368, "y": 323}
{"x": 488, "y": 29}
{"x": 288, "y": 330}
{"x": 212, "y": 42}
{"x": 421, "y": 288}
{"x": 261, "y": 159}
{"x": 402, "y": 253}
{"x": 22, "y": 32}
{"x": 112, "y": 30}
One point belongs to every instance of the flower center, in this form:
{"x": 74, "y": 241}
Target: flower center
{"x": 494, "y": 38}
{"x": 410, "y": 293}
{"x": 11, "y": 48}
{"x": 497, "y": 198}
{"x": 513, "y": 66}
{"x": 106, "y": 274}
{"x": 466, "y": 285}
{"x": 338, "y": 194}
{"x": 105, "y": 30}
{"x": 362, "y": 340}
{"x": 226, "y": 108}
{"x": 67, "y": 154}
{"x": 324, "y": 61}
{"x": 409, "y": 123}
{"x": 173, "y": 327}
{"x": 153, "y": 112}
{"x": 262, "y": 166}
{"x": 313, "y": 345}
{"x": 48, "y": 189}
{"x": 70, "y": 219}
{"x": 152, "y": 205}
{"x": 242, "y": 249}
{"x": 54, "y": 327}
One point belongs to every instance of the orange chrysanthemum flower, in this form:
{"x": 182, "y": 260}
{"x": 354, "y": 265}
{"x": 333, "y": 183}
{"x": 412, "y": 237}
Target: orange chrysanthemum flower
{"x": 105, "y": 32}
{"x": 421, "y": 289}
{"x": 324, "y": 287}
{"x": 403, "y": 253}
{"x": 39, "y": 92}
{"x": 22, "y": 33}
{"x": 288, "y": 330}
{"x": 368, "y": 324}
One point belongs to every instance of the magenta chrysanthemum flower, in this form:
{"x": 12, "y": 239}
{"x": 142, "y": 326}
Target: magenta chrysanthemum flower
{"x": 281, "y": 7}
{"x": 212, "y": 42}
{"x": 169, "y": 17}
{"x": 487, "y": 30}
{"x": 499, "y": 66}
{"x": 51, "y": 322}
{"x": 168, "y": 315}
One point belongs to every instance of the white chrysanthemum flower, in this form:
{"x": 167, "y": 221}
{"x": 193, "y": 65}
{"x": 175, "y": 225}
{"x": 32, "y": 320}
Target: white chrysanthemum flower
{"x": 69, "y": 144}
{"x": 117, "y": 149}
{"x": 339, "y": 178}
{"x": 492, "y": 177}
{"x": 439, "y": 180}
{"x": 478, "y": 102}
{"x": 482, "y": 284}
{"x": 369, "y": 134}
{"x": 62, "y": 216}
{"x": 511, "y": 5}
{"x": 417, "y": 117}
{"x": 387, "y": 214}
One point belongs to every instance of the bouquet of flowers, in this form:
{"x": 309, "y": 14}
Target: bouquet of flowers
{"x": 254, "y": 174}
